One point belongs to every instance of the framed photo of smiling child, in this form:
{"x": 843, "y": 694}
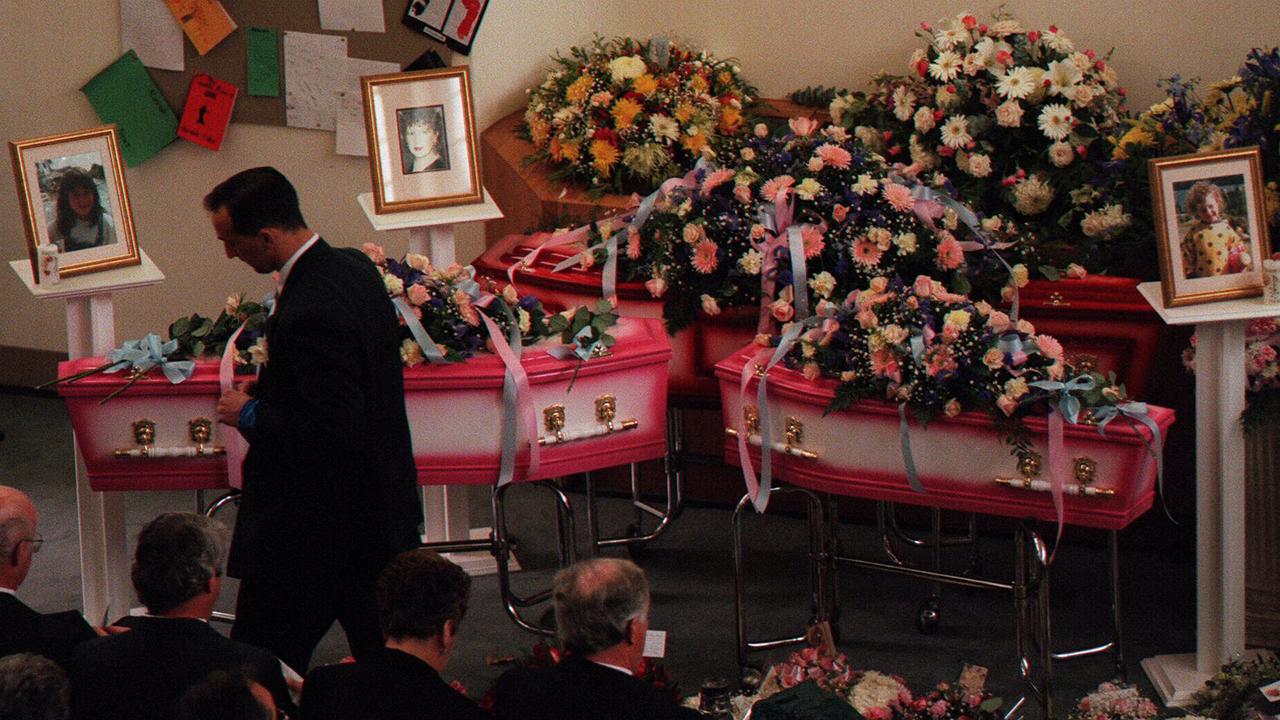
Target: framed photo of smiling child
{"x": 1210, "y": 220}
{"x": 75, "y": 207}
{"x": 422, "y": 139}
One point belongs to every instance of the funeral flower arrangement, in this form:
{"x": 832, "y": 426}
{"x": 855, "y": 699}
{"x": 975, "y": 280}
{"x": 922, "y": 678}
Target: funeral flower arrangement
{"x": 625, "y": 114}
{"x": 1262, "y": 370}
{"x": 448, "y": 304}
{"x": 1016, "y": 119}
{"x": 1232, "y": 693}
{"x": 1114, "y": 702}
{"x": 719, "y": 238}
{"x": 198, "y": 336}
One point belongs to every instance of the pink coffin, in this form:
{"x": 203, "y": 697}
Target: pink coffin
{"x": 858, "y": 454}
{"x": 454, "y": 411}
{"x": 695, "y": 350}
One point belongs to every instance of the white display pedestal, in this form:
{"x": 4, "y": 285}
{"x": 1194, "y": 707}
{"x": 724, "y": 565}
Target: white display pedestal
{"x": 445, "y": 509}
{"x": 1220, "y": 541}
{"x": 104, "y": 557}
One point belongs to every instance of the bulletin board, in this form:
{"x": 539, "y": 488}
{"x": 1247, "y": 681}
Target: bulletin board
{"x": 227, "y": 61}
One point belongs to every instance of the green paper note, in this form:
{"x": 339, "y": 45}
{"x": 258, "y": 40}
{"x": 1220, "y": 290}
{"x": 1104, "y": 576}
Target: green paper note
{"x": 125, "y": 94}
{"x": 264, "y": 62}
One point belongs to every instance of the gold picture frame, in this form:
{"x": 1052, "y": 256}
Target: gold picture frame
{"x": 1210, "y": 218}
{"x": 59, "y": 175}
{"x": 422, "y": 139}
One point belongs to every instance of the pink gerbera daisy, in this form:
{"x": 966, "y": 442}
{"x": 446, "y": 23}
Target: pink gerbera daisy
{"x": 866, "y": 253}
{"x": 780, "y": 185}
{"x": 714, "y": 180}
{"x": 813, "y": 244}
{"x": 899, "y": 196}
{"x": 834, "y": 156}
{"x": 633, "y": 244}
{"x": 950, "y": 254}
{"x": 704, "y": 257}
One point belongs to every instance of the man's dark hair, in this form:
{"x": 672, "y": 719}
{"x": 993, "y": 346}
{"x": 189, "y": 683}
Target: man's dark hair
{"x": 178, "y": 554}
{"x": 221, "y": 696}
{"x": 255, "y": 199}
{"x": 418, "y": 592}
{"x": 32, "y": 688}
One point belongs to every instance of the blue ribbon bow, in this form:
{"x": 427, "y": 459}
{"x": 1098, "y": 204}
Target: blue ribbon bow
{"x": 1068, "y": 404}
{"x": 147, "y": 353}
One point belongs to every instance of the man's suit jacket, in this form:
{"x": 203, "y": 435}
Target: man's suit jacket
{"x": 54, "y": 635}
{"x": 329, "y": 478}
{"x": 390, "y": 685}
{"x": 140, "y": 674}
{"x": 578, "y": 688}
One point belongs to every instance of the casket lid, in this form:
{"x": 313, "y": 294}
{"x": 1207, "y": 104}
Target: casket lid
{"x": 513, "y": 248}
{"x": 203, "y": 381}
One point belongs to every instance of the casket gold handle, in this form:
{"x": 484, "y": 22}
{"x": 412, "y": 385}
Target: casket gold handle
{"x": 144, "y": 434}
{"x": 792, "y": 427}
{"x": 553, "y": 417}
{"x": 1056, "y": 300}
{"x": 1084, "y": 469}
{"x": 553, "y": 420}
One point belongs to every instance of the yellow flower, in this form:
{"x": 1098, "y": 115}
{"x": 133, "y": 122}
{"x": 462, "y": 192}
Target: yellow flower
{"x": 694, "y": 143}
{"x": 683, "y": 112}
{"x": 604, "y": 155}
{"x": 698, "y": 84}
{"x": 725, "y": 77}
{"x": 730, "y": 118}
{"x": 1137, "y": 136}
{"x": 579, "y": 89}
{"x": 645, "y": 85}
{"x": 570, "y": 150}
{"x": 539, "y": 130}
{"x": 624, "y": 112}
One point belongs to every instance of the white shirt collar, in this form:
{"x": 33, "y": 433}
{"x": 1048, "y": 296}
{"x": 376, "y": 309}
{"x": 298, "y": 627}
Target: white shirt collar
{"x": 8, "y": 591}
{"x": 288, "y": 264}
{"x": 619, "y": 668}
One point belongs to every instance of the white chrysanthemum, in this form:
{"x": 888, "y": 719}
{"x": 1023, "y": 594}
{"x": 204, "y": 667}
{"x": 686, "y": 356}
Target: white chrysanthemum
{"x": 1056, "y": 40}
{"x": 946, "y": 67}
{"x": 664, "y": 127}
{"x": 946, "y": 97}
{"x": 1100, "y": 223}
{"x": 989, "y": 50}
{"x": 955, "y": 132}
{"x": 924, "y": 121}
{"x": 1055, "y": 121}
{"x": 1063, "y": 77}
{"x": 626, "y": 68}
{"x": 840, "y": 105}
{"x": 1032, "y": 196}
{"x": 947, "y": 38}
{"x": 1016, "y": 84}
{"x": 393, "y": 284}
{"x": 751, "y": 262}
{"x": 904, "y": 103}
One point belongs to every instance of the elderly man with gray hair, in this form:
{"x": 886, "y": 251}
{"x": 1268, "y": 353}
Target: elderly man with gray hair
{"x": 602, "y": 616}
{"x": 177, "y": 574}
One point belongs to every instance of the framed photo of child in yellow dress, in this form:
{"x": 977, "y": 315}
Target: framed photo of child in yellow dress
{"x": 1210, "y": 218}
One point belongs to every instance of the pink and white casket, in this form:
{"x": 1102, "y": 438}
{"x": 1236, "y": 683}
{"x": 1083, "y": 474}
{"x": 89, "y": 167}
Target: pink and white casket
{"x": 695, "y": 350}
{"x": 963, "y": 463}
{"x": 612, "y": 413}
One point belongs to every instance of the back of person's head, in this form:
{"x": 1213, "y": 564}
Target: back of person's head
{"x": 418, "y": 592}
{"x": 32, "y": 688}
{"x": 16, "y": 522}
{"x": 596, "y": 600}
{"x": 257, "y": 198}
{"x": 225, "y": 696}
{"x": 178, "y": 555}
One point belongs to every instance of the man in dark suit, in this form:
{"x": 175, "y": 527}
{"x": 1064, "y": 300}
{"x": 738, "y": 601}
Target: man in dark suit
{"x": 422, "y": 598}
{"x": 140, "y": 674}
{"x": 602, "y": 617}
{"x": 329, "y": 481}
{"x": 23, "y": 630}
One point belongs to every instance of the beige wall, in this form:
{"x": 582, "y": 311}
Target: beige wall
{"x": 49, "y": 48}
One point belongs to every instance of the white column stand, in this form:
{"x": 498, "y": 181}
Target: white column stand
{"x": 445, "y": 509}
{"x": 1220, "y": 538}
{"x": 104, "y": 557}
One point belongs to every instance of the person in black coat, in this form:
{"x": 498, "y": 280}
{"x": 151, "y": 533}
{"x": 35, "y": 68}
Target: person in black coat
{"x": 140, "y": 674}
{"x": 329, "y": 491}
{"x": 602, "y": 617}
{"x": 422, "y": 598}
{"x": 22, "y": 629}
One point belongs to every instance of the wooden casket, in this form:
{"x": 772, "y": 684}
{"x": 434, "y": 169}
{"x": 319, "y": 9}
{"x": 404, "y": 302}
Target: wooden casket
{"x": 962, "y": 462}
{"x": 694, "y": 350}
{"x": 612, "y": 413}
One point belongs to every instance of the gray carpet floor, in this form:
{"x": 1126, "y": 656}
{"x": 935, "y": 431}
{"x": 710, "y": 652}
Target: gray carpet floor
{"x": 691, "y": 572}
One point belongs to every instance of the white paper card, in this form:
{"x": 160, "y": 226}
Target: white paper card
{"x": 150, "y": 29}
{"x": 358, "y": 15}
{"x": 351, "y": 138}
{"x": 655, "y": 643}
{"x": 314, "y": 68}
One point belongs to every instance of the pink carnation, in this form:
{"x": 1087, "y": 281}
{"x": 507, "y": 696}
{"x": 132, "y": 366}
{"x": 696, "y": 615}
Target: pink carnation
{"x": 1006, "y": 404}
{"x": 899, "y": 196}
{"x": 465, "y": 307}
{"x": 834, "y": 156}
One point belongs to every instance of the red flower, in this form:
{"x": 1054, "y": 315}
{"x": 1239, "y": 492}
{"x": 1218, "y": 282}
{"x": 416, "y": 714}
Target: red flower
{"x": 970, "y": 22}
{"x": 1033, "y": 35}
{"x": 605, "y": 134}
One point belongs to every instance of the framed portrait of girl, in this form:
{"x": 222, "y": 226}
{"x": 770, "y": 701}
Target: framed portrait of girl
{"x": 422, "y": 139}
{"x": 72, "y": 193}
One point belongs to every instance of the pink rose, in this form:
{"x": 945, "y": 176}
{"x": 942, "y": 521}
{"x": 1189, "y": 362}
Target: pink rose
{"x": 418, "y": 294}
{"x": 656, "y": 286}
{"x": 839, "y": 212}
{"x": 803, "y": 126}
{"x": 781, "y": 310}
{"x": 923, "y": 286}
{"x": 1006, "y": 404}
{"x": 709, "y": 305}
{"x": 952, "y": 408}
{"x": 742, "y": 193}
{"x": 375, "y": 253}
{"x": 993, "y": 359}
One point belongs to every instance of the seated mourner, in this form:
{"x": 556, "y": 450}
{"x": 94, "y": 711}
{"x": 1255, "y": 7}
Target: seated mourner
{"x": 140, "y": 674}
{"x": 602, "y": 616}
{"x": 422, "y": 598}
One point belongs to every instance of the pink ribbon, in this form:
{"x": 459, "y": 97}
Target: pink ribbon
{"x": 1057, "y": 472}
{"x": 775, "y": 238}
{"x": 232, "y": 441}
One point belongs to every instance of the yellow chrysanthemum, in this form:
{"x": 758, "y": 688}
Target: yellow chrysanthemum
{"x": 578, "y": 90}
{"x": 604, "y": 155}
{"x": 683, "y": 112}
{"x": 730, "y": 118}
{"x": 539, "y": 130}
{"x": 570, "y": 150}
{"x": 725, "y": 77}
{"x": 645, "y": 85}
{"x": 625, "y": 112}
{"x": 698, "y": 84}
{"x": 1137, "y": 136}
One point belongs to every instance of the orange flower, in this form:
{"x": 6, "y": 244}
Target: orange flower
{"x": 725, "y": 77}
{"x": 539, "y": 130}
{"x": 624, "y": 113}
{"x": 570, "y": 150}
{"x": 555, "y": 149}
{"x": 604, "y": 155}
{"x": 645, "y": 85}
{"x": 730, "y": 118}
{"x": 698, "y": 84}
{"x": 683, "y": 112}
{"x": 694, "y": 143}
{"x": 579, "y": 90}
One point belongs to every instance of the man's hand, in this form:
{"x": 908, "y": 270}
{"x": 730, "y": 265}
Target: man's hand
{"x": 106, "y": 630}
{"x": 230, "y": 402}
